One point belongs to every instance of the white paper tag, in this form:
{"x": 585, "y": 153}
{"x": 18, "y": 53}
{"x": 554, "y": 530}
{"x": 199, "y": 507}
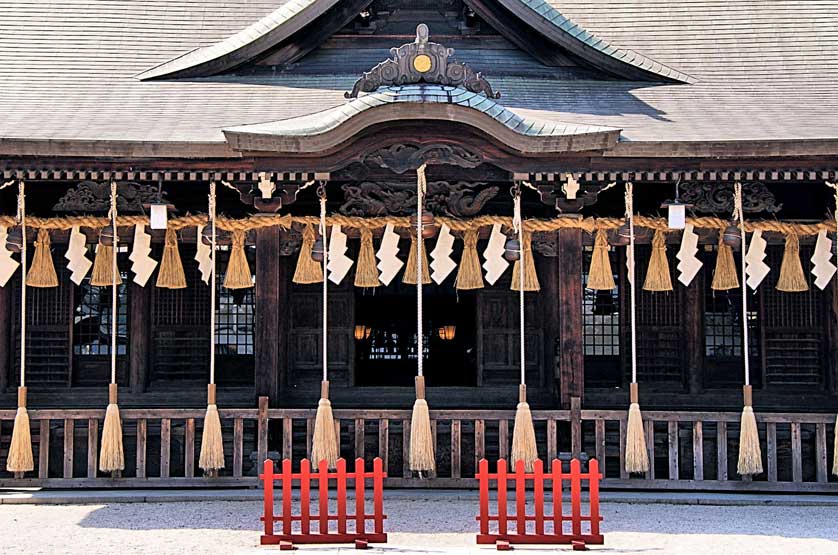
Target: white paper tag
{"x": 338, "y": 263}
{"x": 389, "y": 263}
{"x": 441, "y": 262}
{"x": 76, "y": 254}
{"x": 755, "y": 267}
{"x": 143, "y": 265}
{"x": 495, "y": 264}
{"x": 688, "y": 262}
{"x": 823, "y": 268}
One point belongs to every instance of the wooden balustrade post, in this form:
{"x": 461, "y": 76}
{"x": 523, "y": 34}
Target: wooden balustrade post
{"x": 262, "y": 430}
{"x": 576, "y": 426}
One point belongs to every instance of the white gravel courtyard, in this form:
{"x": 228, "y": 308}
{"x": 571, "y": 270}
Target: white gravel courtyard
{"x": 436, "y": 524}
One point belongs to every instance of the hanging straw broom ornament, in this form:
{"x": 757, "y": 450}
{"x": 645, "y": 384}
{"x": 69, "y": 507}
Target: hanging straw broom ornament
{"x": 637, "y": 456}
{"x": 212, "y": 445}
{"x": 324, "y": 442}
{"x": 750, "y": 456}
{"x": 20, "y": 458}
{"x": 112, "y": 456}
{"x": 523, "y": 434}
{"x": 422, "y": 457}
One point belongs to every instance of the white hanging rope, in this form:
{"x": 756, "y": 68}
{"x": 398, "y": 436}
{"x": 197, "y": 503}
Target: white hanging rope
{"x": 114, "y": 270}
{"x": 421, "y": 189}
{"x": 739, "y": 214}
{"x": 212, "y": 209}
{"x": 21, "y": 217}
{"x": 519, "y": 228}
{"x": 322, "y": 194}
{"x": 633, "y": 301}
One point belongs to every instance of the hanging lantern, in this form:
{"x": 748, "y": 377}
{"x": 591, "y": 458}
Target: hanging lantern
{"x": 159, "y": 210}
{"x": 677, "y": 210}
{"x": 623, "y": 236}
{"x": 362, "y": 332}
{"x": 512, "y": 249}
{"x": 317, "y": 250}
{"x": 447, "y": 333}
{"x": 106, "y": 236}
{"x": 14, "y": 240}
{"x": 428, "y": 224}
{"x": 732, "y": 237}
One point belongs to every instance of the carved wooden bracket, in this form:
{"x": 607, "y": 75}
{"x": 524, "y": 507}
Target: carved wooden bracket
{"x": 422, "y": 62}
{"x": 268, "y": 197}
{"x": 569, "y": 197}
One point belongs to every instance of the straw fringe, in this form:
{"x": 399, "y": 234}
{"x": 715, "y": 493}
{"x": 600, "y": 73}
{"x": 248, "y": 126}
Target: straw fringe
{"x": 637, "y": 457}
{"x": 366, "y": 273}
{"x": 212, "y": 446}
{"x": 600, "y": 275}
{"x": 658, "y": 277}
{"x": 792, "y": 279}
{"x": 409, "y": 276}
{"x": 171, "y": 274}
{"x": 20, "y": 450}
{"x": 469, "y": 274}
{"x": 238, "y": 274}
{"x": 324, "y": 444}
{"x": 421, "y": 439}
{"x": 42, "y": 273}
{"x": 102, "y": 275}
{"x": 724, "y": 276}
{"x": 750, "y": 455}
{"x": 308, "y": 271}
{"x": 112, "y": 456}
{"x": 530, "y": 275}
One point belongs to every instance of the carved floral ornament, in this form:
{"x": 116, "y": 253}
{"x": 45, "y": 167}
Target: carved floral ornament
{"x": 422, "y": 61}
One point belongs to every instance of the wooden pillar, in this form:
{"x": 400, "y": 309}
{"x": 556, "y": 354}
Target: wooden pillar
{"x": 139, "y": 326}
{"x": 267, "y": 341}
{"x": 548, "y": 272}
{"x": 5, "y": 331}
{"x": 832, "y": 339}
{"x": 694, "y": 335}
{"x": 571, "y": 356}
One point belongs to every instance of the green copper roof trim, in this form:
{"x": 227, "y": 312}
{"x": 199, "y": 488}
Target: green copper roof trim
{"x": 288, "y": 133}
{"x": 275, "y": 27}
{"x": 548, "y": 21}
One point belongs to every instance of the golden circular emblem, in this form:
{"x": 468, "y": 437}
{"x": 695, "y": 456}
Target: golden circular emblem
{"x": 422, "y": 63}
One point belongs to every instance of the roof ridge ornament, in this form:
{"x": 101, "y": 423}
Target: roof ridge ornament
{"x": 422, "y": 61}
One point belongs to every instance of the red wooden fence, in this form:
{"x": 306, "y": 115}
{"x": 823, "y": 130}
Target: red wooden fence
{"x": 546, "y": 528}
{"x": 348, "y": 527}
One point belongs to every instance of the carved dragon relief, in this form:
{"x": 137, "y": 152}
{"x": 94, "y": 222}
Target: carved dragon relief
{"x": 402, "y": 157}
{"x": 460, "y": 199}
{"x": 712, "y": 198}
{"x": 91, "y": 197}
{"x": 422, "y": 62}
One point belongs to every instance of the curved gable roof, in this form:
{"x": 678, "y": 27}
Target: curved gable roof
{"x": 327, "y": 129}
{"x": 294, "y": 15}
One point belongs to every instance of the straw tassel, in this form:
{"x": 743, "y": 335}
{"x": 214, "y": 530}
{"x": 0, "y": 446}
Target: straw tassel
{"x": 421, "y": 439}
{"x": 324, "y": 446}
{"x": 600, "y": 275}
{"x": 792, "y": 278}
{"x": 102, "y": 275}
{"x": 42, "y": 273}
{"x": 366, "y": 274}
{"x": 410, "y": 270}
{"x": 20, "y": 450}
{"x": 171, "y": 274}
{"x": 308, "y": 270}
{"x": 750, "y": 455}
{"x": 724, "y": 276}
{"x": 112, "y": 456}
{"x": 637, "y": 456}
{"x": 238, "y": 271}
{"x": 530, "y": 275}
{"x": 523, "y": 434}
{"x": 212, "y": 446}
{"x": 469, "y": 275}
{"x": 657, "y": 276}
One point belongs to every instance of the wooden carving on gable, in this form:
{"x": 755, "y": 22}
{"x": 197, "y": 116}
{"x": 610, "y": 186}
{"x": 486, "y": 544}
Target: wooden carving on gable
{"x": 422, "y": 62}
{"x": 91, "y": 197}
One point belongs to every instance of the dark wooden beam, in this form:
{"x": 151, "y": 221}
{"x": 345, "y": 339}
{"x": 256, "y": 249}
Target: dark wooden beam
{"x": 5, "y": 334}
{"x": 694, "y": 334}
{"x": 548, "y": 271}
{"x": 569, "y": 299}
{"x": 267, "y": 342}
{"x": 139, "y": 307}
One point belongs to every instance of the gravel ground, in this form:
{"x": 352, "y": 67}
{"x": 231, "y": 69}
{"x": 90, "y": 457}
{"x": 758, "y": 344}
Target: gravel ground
{"x": 415, "y": 525}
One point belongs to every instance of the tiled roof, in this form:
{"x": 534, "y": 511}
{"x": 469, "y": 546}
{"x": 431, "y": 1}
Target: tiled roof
{"x": 764, "y": 70}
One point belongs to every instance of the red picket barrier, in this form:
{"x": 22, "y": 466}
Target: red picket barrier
{"x": 348, "y": 527}
{"x": 546, "y": 528}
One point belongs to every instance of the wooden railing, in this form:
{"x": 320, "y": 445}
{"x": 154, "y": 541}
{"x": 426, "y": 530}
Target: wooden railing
{"x": 688, "y": 450}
